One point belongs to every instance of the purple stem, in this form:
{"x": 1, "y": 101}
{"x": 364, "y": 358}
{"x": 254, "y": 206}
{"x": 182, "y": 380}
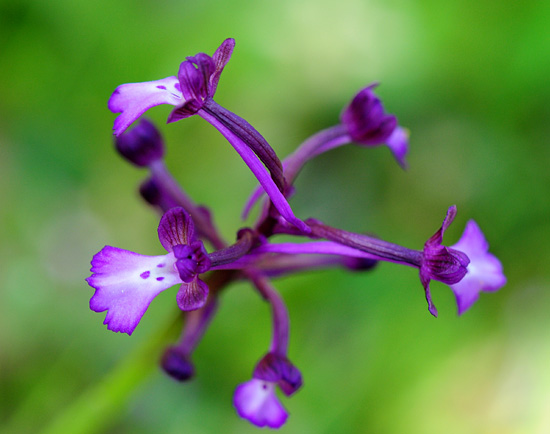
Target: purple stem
{"x": 196, "y": 323}
{"x": 230, "y": 254}
{"x": 379, "y": 248}
{"x": 281, "y": 320}
{"x": 257, "y": 169}
{"x": 320, "y": 142}
{"x": 251, "y": 138}
{"x": 317, "y": 144}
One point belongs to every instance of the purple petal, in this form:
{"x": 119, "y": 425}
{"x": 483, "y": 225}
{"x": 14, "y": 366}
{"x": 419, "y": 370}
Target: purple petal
{"x": 193, "y": 295}
{"x": 194, "y": 74}
{"x": 133, "y": 99}
{"x": 175, "y": 227}
{"x": 256, "y": 401}
{"x": 398, "y": 143}
{"x": 484, "y": 273}
{"x": 125, "y": 284}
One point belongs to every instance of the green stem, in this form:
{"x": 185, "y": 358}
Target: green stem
{"x": 100, "y": 405}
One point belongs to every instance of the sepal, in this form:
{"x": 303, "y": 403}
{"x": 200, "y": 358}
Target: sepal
{"x": 176, "y": 228}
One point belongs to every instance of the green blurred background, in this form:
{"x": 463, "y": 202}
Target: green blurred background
{"x": 468, "y": 78}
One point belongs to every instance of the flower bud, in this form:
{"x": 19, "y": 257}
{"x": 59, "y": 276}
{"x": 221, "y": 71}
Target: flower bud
{"x": 142, "y": 145}
{"x": 177, "y": 364}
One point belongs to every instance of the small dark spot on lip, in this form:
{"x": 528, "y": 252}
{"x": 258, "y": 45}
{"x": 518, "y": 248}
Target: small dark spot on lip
{"x": 160, "y": 265}
{"x": 161, "y": 87}
{"x": 160, "y": 278}
{"x": 145, "y": 274}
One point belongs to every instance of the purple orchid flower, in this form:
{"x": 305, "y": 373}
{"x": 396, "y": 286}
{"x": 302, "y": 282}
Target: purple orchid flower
{"x": 449, "y": 265}
{"x": 125, "y": 282}
{"x": 363, "y": 121}
{"x": 256, "y": 401}
{"x": 192, "y": 92}
{"x": 484, "y": 272}
{"x": 367, "y": 124}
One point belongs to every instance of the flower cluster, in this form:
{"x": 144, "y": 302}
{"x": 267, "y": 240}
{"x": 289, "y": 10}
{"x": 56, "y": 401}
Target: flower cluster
{"x": 202, "y": 262}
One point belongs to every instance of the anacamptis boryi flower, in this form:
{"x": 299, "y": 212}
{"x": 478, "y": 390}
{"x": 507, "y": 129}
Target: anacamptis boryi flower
{"x": 126, "y": 282}
{"x": 192, "y": 92}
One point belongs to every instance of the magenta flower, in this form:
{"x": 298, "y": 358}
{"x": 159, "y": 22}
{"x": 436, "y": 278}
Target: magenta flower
{"x": 126, "y": 282}
{"x": 192, "y": 92}
{"x": 364, "y": 121}
{"x": 484, "y": 271}
{"x": 367, "y": 124}
{"x": 256, "y": 399}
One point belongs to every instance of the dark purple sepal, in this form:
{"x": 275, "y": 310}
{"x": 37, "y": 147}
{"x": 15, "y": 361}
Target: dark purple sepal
{"x": 141, "y": 145}
{"x": 175, "y": 227}
{"x": 192, "y": 295}
{"x": 177, "y": 364}
{"x": 365, "y": 119}
{"x": 441, "y": 263}
{"x": 194, "y": 76}
{"x": 220, "y": 57}
{"x": 278, "y": 369}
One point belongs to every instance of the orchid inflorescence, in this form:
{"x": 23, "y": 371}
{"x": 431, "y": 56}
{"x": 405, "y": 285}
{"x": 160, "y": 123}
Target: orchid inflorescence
{"x": 125, "y": 282}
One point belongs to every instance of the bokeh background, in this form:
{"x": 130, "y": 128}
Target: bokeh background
{"x": 468, "y": 78}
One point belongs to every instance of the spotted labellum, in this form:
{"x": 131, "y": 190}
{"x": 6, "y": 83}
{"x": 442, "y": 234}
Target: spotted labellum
{"x": 202, "y": 263}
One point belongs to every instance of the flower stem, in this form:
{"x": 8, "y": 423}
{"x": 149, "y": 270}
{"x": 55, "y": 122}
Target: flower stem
{"x": 102, "y": 403}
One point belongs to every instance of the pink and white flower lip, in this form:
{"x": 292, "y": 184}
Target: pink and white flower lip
{"x": 125, "y": 282}
{"x": 484, "y": 272}
{"x": 256, "y": 400}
